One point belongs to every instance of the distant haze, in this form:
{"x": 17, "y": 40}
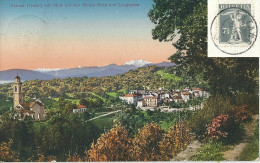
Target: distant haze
{"x": 93, "y": 71}
{"x": 32, "y": 38}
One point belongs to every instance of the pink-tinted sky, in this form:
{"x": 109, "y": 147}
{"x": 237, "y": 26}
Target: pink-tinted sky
{"x": 34, "y": 38}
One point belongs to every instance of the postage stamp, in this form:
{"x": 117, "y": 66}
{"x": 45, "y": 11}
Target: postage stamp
{"x": 233, "y": 29}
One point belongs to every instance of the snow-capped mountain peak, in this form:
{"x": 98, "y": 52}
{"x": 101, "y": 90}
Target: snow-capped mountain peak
{"x": 48, "y": 69}
{"x": 137, "y": 63}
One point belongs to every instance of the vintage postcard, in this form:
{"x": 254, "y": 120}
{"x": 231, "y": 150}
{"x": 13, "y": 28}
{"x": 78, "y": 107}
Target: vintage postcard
{"x": 129, "y": 80}
{"x": 233, "y": 28}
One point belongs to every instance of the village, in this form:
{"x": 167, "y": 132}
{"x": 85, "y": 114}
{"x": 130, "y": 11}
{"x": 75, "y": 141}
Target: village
{"x": 168, "y": 101}
{"x": 161, "y": 99}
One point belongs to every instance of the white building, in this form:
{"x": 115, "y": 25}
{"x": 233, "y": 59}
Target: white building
{"x": 185, "y": 96}
{"x": 177, "y": 99}
{"x": 200, "y": 93}
{"x": 80, "y": 109}
{"x": 140, "y": 103}
{"x": 129, "y": 98}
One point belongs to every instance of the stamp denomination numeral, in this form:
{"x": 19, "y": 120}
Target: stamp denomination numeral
{"x": 225, "y": 30}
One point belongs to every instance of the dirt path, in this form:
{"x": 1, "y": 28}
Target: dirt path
{"x": 188, "y": 152}
{"x": 232, "y": 154}
{"x": 103, "y": 115}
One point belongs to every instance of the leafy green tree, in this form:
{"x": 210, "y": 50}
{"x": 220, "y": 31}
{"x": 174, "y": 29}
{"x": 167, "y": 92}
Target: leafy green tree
{"x": 21, "y": 132}
{"x": 187, "y": 19}
{"x": 83, "y": 102}
{"x": 132, "y": 109}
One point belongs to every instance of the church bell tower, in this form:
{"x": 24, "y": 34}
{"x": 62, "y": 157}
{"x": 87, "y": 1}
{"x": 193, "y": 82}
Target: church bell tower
{"x": 17, "y": 88}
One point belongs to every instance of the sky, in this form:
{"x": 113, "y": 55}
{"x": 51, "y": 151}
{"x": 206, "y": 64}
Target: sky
{"x": 39, "y": 34}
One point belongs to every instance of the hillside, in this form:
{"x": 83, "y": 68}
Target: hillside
{"x": 24, "y": 74}
{"x": 149, "y": 77}
{"x": 93, "y": 71}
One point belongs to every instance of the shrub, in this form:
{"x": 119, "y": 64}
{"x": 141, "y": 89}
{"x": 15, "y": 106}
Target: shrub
{"x": 218, "y": 129}
{"x": 251, "y": 100}
{"x": 227, "y": 126}
{"x": 240, "y": 113}
{"x": 213, "y": 107}
{"x": 176, "y": 140}
{"x": 112, "y": 146}
{"x": 6, "y": 153}
{"x": 146, "y": 143}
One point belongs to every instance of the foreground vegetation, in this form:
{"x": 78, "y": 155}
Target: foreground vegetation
{"x": 251, "y": 150}
{"x": 211, "y": 151}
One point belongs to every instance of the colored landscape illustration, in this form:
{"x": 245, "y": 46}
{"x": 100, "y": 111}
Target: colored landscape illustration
{"x": 121, "y": 80}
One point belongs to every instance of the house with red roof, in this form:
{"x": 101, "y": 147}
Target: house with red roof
{"x": 80, "y": 109}
{"x": 129, "y": 98}
{"x": 185, "y": 96}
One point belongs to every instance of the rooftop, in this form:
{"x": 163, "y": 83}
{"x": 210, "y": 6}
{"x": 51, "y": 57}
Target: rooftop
{"x": 130, "y": 95}
{"x": 81, "y": 106}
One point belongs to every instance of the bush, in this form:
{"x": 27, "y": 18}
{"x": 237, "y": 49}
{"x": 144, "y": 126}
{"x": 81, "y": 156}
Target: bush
{"x": 213, "y": 107}
{"x": 240, "y": 113}
{"x": 251, "y": 100}
{"x": 149, "y": 144}
{"x": 218, "y": 129}
{"x": 176, "y": 140}
{"x": 111, "y": 146}
{"x": 227, "y": 126}
{"x": 146, "y": 143}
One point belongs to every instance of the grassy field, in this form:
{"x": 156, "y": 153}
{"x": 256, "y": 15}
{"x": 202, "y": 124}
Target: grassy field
{"x": 166, "y": 75}
{"x": 75, "y": 101}
{"x": 69, "y": 95}
{"x": 102, "y": 98}
{"x": 123, "y": 91}
{"x": 112, "y": 94}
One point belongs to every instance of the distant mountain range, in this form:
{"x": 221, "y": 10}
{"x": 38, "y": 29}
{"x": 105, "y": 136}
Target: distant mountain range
{"x": 94, "y": 71}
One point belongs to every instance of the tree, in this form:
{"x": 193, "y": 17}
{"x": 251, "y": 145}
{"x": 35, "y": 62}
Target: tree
{"x": 174, "y": 141}
{"x": 6, "y": 154}
{"x": 132, "y": 109}
{"x": 68, "y": 109}
{"x": 21, "y": 133}
{"x": 146, "y": 143}
{"x": 74, "y": 158}
{"x": 188, "y": 20}
{"x": 83, "y": 102}
{"x": 111, "y": 146}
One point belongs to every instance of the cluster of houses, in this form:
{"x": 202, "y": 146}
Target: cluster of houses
{"x": 140, "y": 98}
{"x": 153, "y": 98}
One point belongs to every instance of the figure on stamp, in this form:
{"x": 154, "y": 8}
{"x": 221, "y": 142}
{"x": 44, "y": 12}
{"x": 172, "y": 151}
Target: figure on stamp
{"x": 236, "y": 18}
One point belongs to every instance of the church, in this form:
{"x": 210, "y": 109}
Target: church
{"x": 36, "y": 109}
